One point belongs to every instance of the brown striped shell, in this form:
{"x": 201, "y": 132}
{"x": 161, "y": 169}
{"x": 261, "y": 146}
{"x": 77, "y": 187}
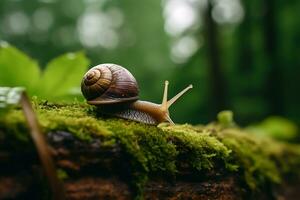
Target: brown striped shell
{"x": 109, "y": 83}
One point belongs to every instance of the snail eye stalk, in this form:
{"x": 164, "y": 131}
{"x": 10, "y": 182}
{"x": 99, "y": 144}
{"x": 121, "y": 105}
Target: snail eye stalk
{"x": 165, "y": 105}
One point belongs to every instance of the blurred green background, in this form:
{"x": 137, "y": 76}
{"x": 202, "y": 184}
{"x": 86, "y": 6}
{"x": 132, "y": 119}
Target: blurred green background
{"x": 240, "y": 55}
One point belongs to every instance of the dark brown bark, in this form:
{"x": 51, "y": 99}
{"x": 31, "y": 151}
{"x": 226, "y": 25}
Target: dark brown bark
{"x": 98, "y": 172}
{"x": 41, "y": 146}
{"x": 114, "y": 188}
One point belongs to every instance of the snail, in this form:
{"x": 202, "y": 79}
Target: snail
{"x": 115, "y": 91}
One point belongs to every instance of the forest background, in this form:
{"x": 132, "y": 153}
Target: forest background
{"x": 239, "y": 55}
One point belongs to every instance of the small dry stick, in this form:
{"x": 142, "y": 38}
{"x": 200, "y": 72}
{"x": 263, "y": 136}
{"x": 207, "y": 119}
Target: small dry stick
{"x": 42, "y": 148}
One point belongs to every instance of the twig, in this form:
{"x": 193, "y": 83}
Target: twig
{"x": 42, "y": 148}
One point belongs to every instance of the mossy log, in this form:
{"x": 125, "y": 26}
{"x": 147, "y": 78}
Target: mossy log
{"x": 105, "y": 158}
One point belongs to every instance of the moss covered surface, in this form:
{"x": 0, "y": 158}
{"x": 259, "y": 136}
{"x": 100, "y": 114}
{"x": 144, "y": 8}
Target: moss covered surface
{"x": 166, "y": 149}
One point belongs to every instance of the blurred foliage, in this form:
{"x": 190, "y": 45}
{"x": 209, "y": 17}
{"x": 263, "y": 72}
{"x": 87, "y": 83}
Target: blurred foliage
{"x": 276, "y": 127}
{"x": 225, "y": 118}
{"x": 9, "y": 97}
{"x": 250, "y": 55}
{"x": 59, "y": 79}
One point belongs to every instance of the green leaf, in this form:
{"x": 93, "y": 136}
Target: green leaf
{"x": 17, "y": 69}
{"x": 62, "y": 74}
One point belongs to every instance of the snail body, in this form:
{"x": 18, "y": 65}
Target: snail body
{"x": 115, "y": 91}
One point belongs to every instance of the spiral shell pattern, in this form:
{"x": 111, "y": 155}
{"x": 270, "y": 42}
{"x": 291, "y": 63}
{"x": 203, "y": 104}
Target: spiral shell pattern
{"x": 109, "y": 83}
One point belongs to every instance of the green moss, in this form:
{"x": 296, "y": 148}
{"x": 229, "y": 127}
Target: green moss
{"x": 253, "y": 156}
{"x": 198, "y": 146}
{"x": 73, "y": 118}
{"x": 62, "y": 174}
{"x": 147, "y": 146}
{"x": 165, "y": 149}
{"x": 225, "y": 118}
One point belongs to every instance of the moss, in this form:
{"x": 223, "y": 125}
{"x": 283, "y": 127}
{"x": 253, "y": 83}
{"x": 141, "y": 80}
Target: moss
{"x": 73, "y": 118}
{"x": 225, "y": 118}
{"x": 253, "y": 156}
{"x": 147, "y": 146}
{"x": 62, "y": 174}
{"x": 198, "y": 146}
{"x": 165, "y": 149}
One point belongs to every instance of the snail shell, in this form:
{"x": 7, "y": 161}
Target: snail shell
{"x": 109, "y": 83}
